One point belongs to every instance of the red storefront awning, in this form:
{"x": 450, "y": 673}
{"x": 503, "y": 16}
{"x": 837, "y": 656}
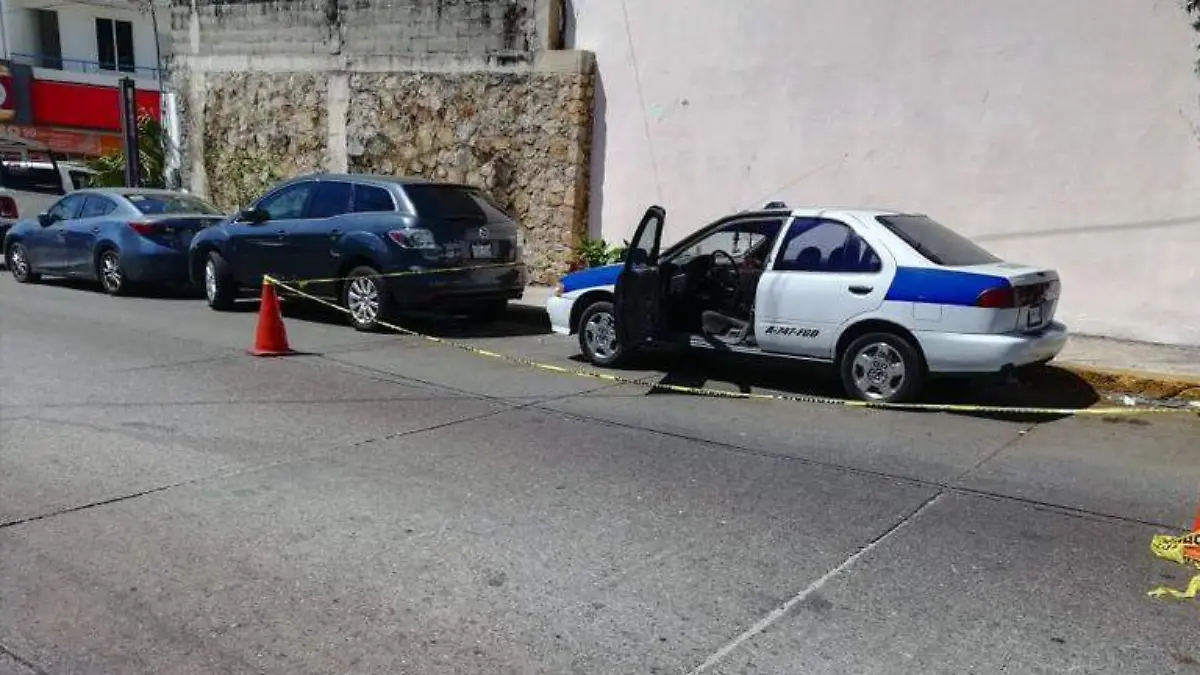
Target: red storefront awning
{"x": 85, "y": 106}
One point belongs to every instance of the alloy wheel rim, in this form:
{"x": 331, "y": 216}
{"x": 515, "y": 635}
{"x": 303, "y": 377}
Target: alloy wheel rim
{"x": 210, "y": 281}
{"x": 110, "y": 270}
{"x": 601, "y": 335}
{"x": 363, "y": 300}
{"x": 878, "y": 371}
{"x": 20, "y": 266}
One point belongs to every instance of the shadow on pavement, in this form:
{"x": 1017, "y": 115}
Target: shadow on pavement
{"x": 518, "y": 322}
{"x": 149, "y": 291}
{"x": 1040, "y": 387}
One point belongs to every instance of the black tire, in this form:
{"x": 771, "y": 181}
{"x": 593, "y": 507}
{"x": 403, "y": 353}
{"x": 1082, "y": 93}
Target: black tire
{"x": 110, "y": 273}
{"x": 366, "y": 298}
{"x": 882, "y": 368}
{"x": 17, "y": 261}
{"x": 598, "y": 335}
{"x": 488, "y": 312}
{"x": 219, "y": 288}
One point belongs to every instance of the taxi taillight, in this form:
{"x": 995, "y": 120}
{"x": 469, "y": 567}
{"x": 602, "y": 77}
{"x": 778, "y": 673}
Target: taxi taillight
{"x": 1001, "y": 297}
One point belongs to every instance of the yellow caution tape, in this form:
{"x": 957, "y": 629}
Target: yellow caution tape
{"x": 1184, "y": 550}
{"x": 718, "y": 393}
{"x": 409, "y": 273}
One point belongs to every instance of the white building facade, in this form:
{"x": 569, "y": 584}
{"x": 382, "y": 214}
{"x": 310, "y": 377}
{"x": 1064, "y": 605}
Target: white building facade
{"x": 1061, "y": 133}
{"x": 78, "y": 41}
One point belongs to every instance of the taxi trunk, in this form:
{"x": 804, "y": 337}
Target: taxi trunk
{"x": 1023, "y": 298}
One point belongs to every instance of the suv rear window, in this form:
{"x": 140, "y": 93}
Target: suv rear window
{"x": 452, "y": 202}
{"x": 154, "y": 204}
{"x": 937, "y": 243}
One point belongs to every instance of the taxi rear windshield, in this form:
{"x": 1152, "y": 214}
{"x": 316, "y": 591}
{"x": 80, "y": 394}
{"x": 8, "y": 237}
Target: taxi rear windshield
{"x": 937, "y": 243}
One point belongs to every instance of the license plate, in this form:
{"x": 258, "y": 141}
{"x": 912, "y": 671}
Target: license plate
{"x": 1035, "y": 316}
{"x": 481, "y": 250}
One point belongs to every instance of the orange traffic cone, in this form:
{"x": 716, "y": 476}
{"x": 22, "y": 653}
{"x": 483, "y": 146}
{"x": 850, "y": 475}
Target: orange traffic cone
{"x": 270, "y": 339}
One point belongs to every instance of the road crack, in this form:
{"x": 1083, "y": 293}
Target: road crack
{"x": 783, "y": 610}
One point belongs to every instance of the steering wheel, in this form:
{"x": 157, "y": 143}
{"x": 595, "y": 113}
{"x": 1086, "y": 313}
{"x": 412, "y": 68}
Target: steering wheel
{"x": 725, "y": 279}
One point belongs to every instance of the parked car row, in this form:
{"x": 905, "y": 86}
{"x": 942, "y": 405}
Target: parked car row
{"x": 363, "y": 235}
{"x": 890, "y": 299}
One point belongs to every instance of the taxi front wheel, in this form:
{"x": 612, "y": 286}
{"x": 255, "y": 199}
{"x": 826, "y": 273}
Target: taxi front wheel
{"x": 882, "y": 368}
{"x": 598, "y": 335}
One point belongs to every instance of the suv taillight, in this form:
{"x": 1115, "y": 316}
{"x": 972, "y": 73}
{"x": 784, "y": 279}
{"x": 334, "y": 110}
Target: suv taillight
{"x": 8, "y": 208}
{"x": 1001, "y": 297}
{"x": 414, "y": 238}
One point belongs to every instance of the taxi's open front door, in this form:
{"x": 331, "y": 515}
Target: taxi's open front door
{"x": 639, "y": 288}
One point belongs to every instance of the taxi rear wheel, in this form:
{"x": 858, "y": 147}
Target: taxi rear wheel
{"x": 882, "y": 368}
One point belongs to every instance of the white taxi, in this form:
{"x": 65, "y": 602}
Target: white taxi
{"x": 891, "y": 299}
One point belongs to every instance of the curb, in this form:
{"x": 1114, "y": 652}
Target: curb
{"x": 1135, "y": 382}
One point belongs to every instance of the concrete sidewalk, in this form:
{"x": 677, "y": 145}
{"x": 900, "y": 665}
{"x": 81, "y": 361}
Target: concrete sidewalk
{"x": 1152, "y": 370}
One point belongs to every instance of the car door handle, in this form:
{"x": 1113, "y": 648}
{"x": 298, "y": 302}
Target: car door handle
{"x": 861, "y": 290}
{"x": 335, "y": 232}
{"x": 95, "y": 230}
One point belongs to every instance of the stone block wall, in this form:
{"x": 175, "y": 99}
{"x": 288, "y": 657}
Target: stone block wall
{"x": 259, "y": 128}
{"x": 469, "y": 91}
{"x": 524, "y": 137}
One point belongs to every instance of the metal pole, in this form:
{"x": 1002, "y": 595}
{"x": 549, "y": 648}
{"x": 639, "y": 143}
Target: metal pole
{"x": 129, "y": 131}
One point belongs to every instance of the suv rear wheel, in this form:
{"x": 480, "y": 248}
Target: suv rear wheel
{"x": 882, "y": 368}
{"x": 366, "y": 298}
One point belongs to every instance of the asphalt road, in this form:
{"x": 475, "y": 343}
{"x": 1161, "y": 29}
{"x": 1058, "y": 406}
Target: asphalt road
{"x": 169, "y": 504}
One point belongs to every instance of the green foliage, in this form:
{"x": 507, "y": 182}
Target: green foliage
{"x": 110, "y": 169}
{"x": 597, "y": 252}
{"x": 244, "y": 178}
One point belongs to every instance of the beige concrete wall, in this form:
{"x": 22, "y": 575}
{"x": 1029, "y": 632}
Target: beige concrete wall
{"x": 1061, "y": 133}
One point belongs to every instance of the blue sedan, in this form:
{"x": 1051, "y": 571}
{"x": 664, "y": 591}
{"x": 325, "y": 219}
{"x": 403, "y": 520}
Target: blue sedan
{"x": 121, "y": 237}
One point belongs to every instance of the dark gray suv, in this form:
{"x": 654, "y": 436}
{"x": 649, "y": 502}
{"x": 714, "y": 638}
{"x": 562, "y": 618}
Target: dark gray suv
{"x": 369, "y": 232}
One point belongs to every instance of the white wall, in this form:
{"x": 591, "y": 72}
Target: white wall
{"x": 1060, "y": 133}
{"x": 77, "y": 30}
{"x": 21, "y": 32}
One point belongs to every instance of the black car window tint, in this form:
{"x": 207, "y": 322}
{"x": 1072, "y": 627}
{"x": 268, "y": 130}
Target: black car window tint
{"x": 369, "y": 199}
{"x": 97, "y": 206}
{"x": 937, "y": 243}
{"x": 813, "y": 245}
{"x": 288, "y": 203}
{"x": 331, "y": 199}
{"x": 67, "y": 208}
{"x": 157, "y": 203}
